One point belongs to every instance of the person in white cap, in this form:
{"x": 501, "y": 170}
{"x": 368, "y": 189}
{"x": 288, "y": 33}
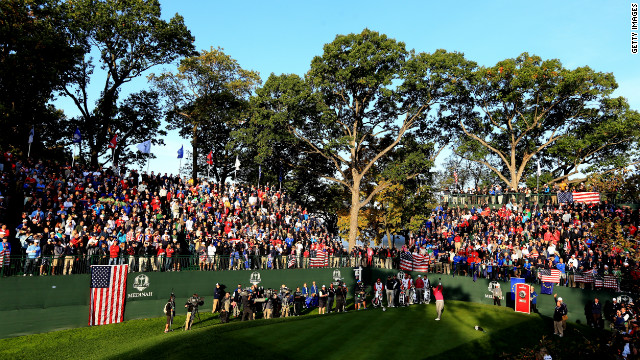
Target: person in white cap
{"x": 565, "y": 311}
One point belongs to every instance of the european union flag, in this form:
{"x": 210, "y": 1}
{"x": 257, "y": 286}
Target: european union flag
{"x": 515, "y": 281}
{"x": 181, "y": 152}
{"x": 547, "y": 288}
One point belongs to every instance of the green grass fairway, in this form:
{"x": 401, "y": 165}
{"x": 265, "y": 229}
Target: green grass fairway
{"x": 367, "y": 334}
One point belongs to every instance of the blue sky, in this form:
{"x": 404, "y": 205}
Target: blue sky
{"x": 283, "y": 36}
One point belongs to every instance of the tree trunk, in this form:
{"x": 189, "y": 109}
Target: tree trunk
{"x": 355, "y": 210}
{"x": 194, "y": 152}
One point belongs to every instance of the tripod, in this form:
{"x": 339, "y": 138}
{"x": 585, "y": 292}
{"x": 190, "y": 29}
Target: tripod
{"x": 195, "y": 313}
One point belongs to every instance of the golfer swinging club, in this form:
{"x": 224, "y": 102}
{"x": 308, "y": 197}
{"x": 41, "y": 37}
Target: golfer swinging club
{"x": 437, "y": 293}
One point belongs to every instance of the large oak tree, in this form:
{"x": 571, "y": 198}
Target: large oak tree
{"x": 364, "y": 108}
{"x": 527, "y": 107}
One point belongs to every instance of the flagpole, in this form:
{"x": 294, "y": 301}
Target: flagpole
{"x": 73, "y": 156}
{"x": 29, "y": 151}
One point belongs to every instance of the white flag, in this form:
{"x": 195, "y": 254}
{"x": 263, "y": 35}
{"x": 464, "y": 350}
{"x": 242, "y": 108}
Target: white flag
{"x": 145, "y": 147}
{"x": 539, "y": 168}
{"x": 237, "y": 163}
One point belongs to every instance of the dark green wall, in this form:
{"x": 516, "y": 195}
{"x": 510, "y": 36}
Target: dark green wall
{"x": 40, "y": 304}
{"x": 464, "y": 289}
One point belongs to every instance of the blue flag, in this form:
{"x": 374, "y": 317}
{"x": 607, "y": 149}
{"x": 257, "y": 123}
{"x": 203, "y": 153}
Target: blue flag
{"x": 259, "y": 172}
{"x": 77, "y": 137}
{"x": 515, "y": 281}
{"x": 145, "y": 147}
{"x": 546, "y": 288}
{"x": 181, "y": 152}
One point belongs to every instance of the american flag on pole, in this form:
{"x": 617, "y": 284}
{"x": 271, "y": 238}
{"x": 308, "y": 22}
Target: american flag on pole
{"x": 586, "y": 197}
{"x": 549, "y": 275}
{"x": 320, "y": 260}
{"x": 420, "y": 262}
{"x": 108, "y": 291}
{"x": 292, "y": 262}
{"x": 406, "y": 261}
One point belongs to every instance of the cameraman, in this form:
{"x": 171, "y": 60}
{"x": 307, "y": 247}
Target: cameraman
{"x": 341, "y": 294}
{"x": 247, "y": 306}
{"x": 331, "y": 297}
{"x": 285, "y": 295}
{"x": 360, "y": 295}
{"x": 192, "y": 307}
{"x": 298, "y": 300}
{"x": 170, "y": 312}
{"x": 237, "y": 300}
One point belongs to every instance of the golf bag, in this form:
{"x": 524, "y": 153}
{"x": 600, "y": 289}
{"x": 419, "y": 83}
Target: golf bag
{"x": 224, "y": 317}
{"x": 412, "y": 296}
{"x": 427, "y": 295}
{"x": 402, "y": 299}
{"x": 377, "y": 299}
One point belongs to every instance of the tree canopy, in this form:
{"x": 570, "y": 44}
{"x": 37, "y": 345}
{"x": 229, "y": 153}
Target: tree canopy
{"x": 528, "y": 107}
{"x": 130, "y": 38}
{"x": 207, "y": 99}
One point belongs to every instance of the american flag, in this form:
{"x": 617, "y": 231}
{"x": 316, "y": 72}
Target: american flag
{"x": 565, "y": 197}
{"x": 108, "y": 291}
{"x": 420, "y": 262}
{"x": 599, "y": 282}
{"x": 292, "y": 261}
{"x": 586, "y": 197}
{"x": 551, "y": 276}
{"x": 406, "y": 261}
{"x": 584, "y": 277}
{"x": 320, "y": 260}
{"x": 610, "y": 282}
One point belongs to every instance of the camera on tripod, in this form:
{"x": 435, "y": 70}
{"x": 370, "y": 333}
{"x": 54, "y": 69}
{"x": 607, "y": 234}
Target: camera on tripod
{"x": 196, "y": 301}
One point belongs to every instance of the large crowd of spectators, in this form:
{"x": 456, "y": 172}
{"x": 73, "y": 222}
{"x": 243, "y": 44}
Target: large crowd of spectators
{"x": 72, "y": 217}
{"x": 518, "y": 239}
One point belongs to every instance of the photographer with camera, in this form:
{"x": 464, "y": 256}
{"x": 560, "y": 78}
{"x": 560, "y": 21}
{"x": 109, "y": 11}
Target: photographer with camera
{"x": 341, "y": 295}
{"x": 170, "y": 312}
{"x": 360, "y": 293}
{"x": 285, "y": 296}
{"x": 225, "y": 305}
{"x": 237, "y": 301}
{"x": 247, "y": 305}
{"x": 192, "y": 309}
{"x": 298, "y": 300}
{"x": 332, "y": 294}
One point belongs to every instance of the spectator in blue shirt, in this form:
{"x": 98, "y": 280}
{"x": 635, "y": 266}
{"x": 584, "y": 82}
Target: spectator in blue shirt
{"x": 563, "y": 273}
{"x": 33, "y": 253}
